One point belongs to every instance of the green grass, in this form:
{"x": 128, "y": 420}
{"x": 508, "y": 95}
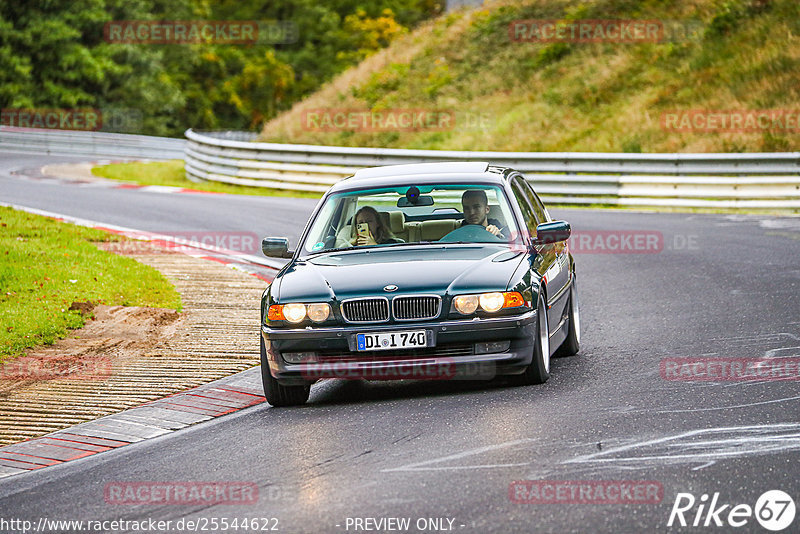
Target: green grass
{"x": 593, "y": 97}
{"x": 46, "y": 265}
{"x": 171, "y": 173}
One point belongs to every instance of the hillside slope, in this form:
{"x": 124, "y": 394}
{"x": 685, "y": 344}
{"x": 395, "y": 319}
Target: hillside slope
{"x": 495, "y": 92}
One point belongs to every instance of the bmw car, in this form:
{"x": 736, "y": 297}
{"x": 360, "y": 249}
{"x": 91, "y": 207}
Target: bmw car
{"x": 420, "y": 271}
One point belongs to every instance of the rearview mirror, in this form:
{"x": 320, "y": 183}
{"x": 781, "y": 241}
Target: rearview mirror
{"x": 422, "y": 200}
{"x": 552, "y": 232}
{"x": 276, "y": 247}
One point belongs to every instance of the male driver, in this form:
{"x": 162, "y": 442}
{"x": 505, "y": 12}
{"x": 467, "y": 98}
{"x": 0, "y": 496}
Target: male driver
{"x": 476, "y": 211}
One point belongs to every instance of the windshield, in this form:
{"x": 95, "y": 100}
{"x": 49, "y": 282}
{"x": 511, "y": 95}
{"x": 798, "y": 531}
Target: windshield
{"x": 425, "y": 214}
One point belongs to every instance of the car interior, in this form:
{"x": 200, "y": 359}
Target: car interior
{"x": 414, "y": 231}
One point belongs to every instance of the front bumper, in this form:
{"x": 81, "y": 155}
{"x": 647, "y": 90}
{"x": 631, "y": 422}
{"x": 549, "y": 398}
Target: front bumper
{"x": 438, "y": 362}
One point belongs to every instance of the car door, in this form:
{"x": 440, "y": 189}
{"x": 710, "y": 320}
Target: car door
{"x": 552, "y": 260}
{"x": 541, "y": 262}
{"x": 558, "y": 274}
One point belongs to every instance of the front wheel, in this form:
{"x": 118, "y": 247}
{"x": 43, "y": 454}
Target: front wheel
{"x": 276, "y": 394}
{"x": 572, "y": 344}
{"x": 539, "y": 370}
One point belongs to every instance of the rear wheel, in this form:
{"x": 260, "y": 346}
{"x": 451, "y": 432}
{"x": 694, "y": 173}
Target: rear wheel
{"x": 539, "y": 370}
{"x": 276, "y": 394}
{"x": 572, "y": 344}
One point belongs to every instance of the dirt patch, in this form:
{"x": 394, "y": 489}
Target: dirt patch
{"x": 127, "y": 356}
{"x": 84, "y": 307}
{"x": 114, "y": 336}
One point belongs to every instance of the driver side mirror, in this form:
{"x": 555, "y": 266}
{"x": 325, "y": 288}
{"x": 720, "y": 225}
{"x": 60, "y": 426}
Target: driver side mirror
{"x": 552, "y": 232}
{"x": 276, "y": 247}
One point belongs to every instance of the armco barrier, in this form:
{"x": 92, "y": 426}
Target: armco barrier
{"x": 765, "y": 180}
{"x": 92, "y": 144}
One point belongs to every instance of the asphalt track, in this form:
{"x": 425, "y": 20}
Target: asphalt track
{"x": 718, "y": 286}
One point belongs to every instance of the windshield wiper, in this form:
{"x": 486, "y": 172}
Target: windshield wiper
{"x": 326, "y": 251}
{"x": 391, "y": 245}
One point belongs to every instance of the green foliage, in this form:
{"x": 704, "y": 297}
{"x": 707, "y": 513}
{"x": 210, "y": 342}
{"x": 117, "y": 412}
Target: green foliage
{"x": 438, "y": 78}
{"x": 53, "y": 55}
{"x": 381, "y": 82}
{"x": 551, "y": 53}
{"x": 363, "y": 35}
{"x": 727, "y": 17}
{"x": 732, "y": 13}
{"x": 604, "y": 96}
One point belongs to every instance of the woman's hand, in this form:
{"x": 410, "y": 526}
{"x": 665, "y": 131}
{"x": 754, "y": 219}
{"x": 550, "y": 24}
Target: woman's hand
{"x": 365, "y": 240}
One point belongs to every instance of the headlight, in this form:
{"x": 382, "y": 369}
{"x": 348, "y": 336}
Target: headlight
{"x": 296, "y": 312}
{"x": 466, "y": 304}
{"x": 489, "y": 302}
{"x": 318, "y": 312}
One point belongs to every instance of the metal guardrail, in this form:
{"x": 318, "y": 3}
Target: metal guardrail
{"x": 95, "y": 144}
{"x": 763, "y": 180}
{"x": 768, "y": 180}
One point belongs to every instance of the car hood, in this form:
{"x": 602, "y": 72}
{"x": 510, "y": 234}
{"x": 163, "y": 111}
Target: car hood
{"x": 434, "y": 269}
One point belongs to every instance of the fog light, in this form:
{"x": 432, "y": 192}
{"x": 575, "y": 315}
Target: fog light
{"x": 466, "y": 304}
{"x": 299, "y": 357}
{"x": 294, "y": 312}
{"x": 492, "y": 347}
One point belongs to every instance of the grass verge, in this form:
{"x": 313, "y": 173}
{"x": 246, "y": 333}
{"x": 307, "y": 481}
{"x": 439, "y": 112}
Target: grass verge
{"x": 46, "y": 265}
{"x": 541, "y": 96}
{"x": 171, "y": 173}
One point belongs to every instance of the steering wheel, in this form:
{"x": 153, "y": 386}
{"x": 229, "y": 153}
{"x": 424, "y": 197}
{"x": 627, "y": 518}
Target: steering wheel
{"x": 471, "y": 233}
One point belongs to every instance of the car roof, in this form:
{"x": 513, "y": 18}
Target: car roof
{"x": 424, "y": 173}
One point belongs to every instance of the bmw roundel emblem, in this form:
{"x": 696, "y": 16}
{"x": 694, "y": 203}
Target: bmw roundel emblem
{"x": 390, "y": 287}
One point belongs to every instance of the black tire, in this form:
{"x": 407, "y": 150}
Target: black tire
{"x": 572, "y": 344}
{"x": 539, "y": 370}
{"x": 276, "y": 394}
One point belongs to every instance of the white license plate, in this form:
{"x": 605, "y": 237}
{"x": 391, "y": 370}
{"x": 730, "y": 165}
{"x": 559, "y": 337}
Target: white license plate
{"x": 413, "y": 339}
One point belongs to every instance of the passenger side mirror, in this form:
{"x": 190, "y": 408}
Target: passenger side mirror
{"x": 552, "y": 232}
{"x": 276, "y": 247}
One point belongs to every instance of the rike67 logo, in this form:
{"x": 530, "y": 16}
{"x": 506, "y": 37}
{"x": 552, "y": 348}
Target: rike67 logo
{"x": 774, "y": 510}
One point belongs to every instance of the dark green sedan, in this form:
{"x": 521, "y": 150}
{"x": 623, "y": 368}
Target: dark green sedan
{"x": 425, "y": 271}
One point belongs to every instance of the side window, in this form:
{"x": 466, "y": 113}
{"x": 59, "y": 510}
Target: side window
{"x": 525, "y": 207}
{"x": 536, "y": 203}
